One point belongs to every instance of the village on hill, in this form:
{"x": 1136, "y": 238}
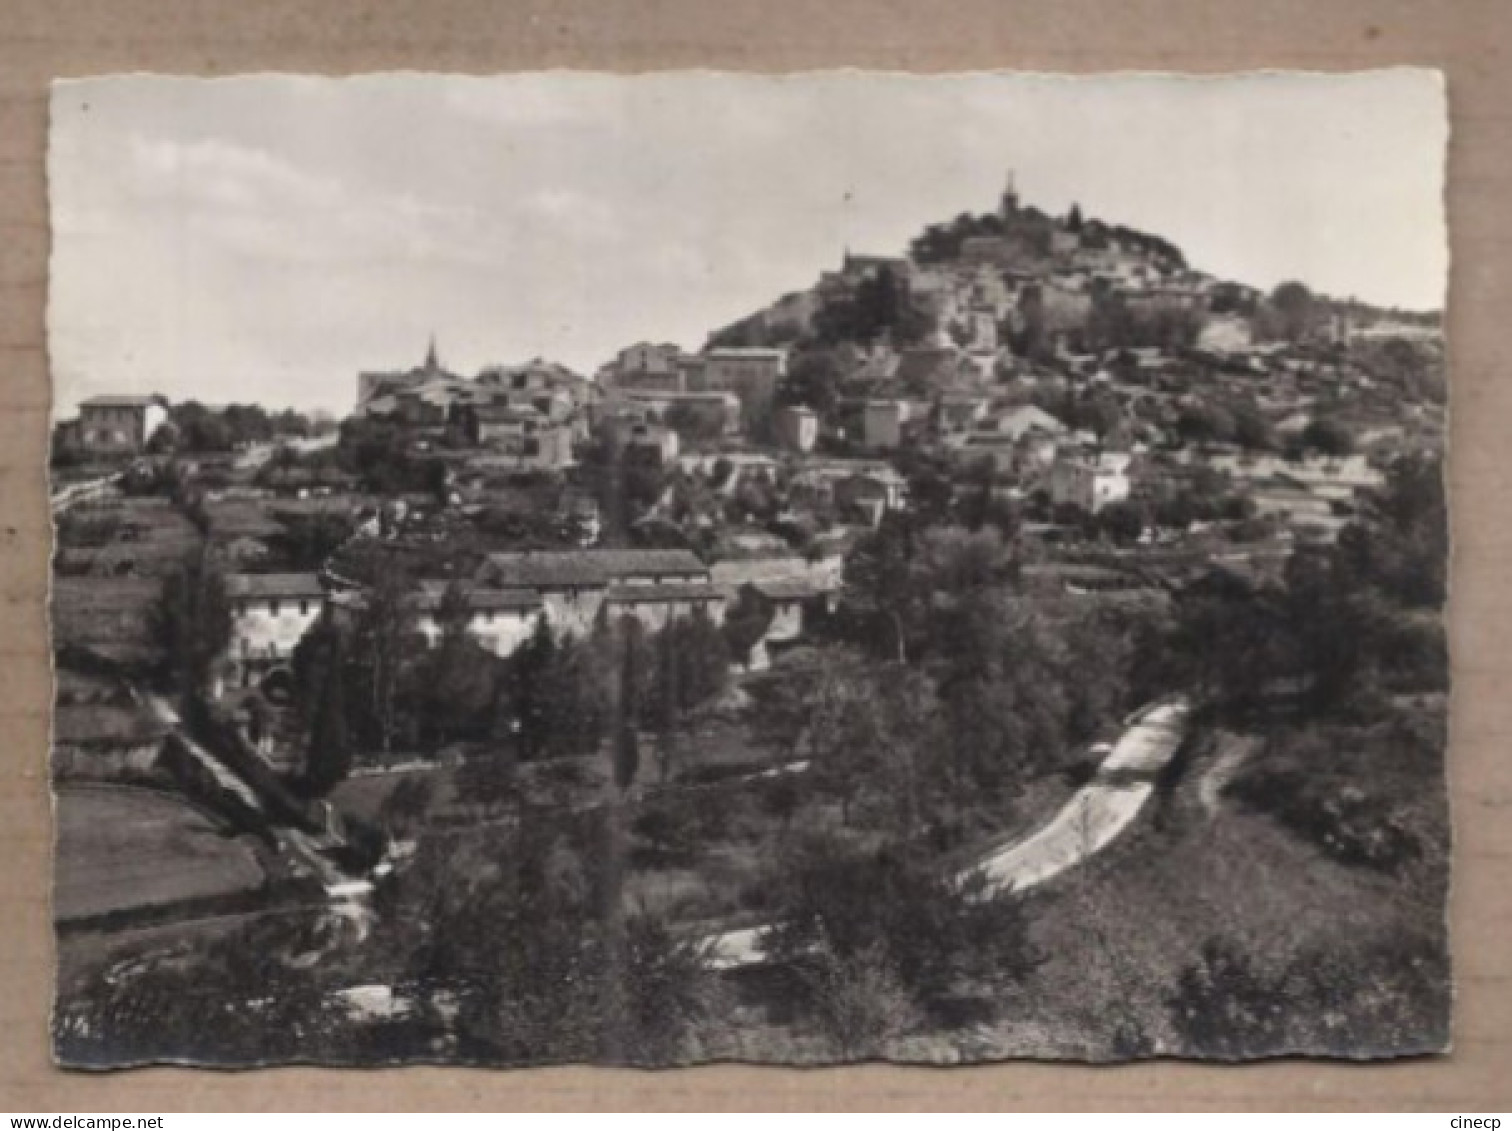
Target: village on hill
{"x": 1027, "y": 644}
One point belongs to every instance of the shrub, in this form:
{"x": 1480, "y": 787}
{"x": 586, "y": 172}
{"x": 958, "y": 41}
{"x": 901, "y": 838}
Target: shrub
{"x": 1387, "y": 996}
{"x": 1224, "y": 1007}
{"x": 933, "y": 932}
{"x": 89, "y": 531}
{"x": 859, "y": 1001}
{"x": 1346, "y": 820}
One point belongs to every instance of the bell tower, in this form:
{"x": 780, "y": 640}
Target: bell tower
{"x": 1009, "y": 206}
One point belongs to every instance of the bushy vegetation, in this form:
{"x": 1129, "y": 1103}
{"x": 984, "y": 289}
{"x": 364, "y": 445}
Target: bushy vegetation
{"x": 190, "y": 625}
{"x": 1391, "y": 1000}
{"x": 880, "y": 306}
{"x": 520, "y": 935}
{"x": 895, "y": 910}
{"x": 1314, "y": 662}
{"x": 195, "y": 428}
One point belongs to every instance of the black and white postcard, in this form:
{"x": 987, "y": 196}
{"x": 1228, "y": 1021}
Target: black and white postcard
{"x": 700, "y": 567}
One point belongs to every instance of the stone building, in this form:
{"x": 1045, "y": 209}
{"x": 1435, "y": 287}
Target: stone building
{"x": 119, "y": 425}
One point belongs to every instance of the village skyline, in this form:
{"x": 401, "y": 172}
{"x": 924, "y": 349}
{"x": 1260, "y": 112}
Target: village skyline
{"x": 255, "y": 259}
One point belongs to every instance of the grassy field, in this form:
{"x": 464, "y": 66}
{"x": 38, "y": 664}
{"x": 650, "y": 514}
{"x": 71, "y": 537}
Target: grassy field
{"x": 108, "y": 615}
{"x": 238, "y": 518}
{"x": 121, "y": 849}
{"x": 143, "y": 537}
{"x": 1117, "y": 932}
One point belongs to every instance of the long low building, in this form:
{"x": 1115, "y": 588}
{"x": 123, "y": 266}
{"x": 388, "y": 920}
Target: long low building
{"x": 652, "y": 585}
{"x": 509, "y": 595}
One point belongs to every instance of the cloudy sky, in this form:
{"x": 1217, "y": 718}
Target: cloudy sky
{"x": 267, "y": 237}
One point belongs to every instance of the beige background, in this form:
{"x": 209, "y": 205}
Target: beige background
{"x": 1469, "y": 39}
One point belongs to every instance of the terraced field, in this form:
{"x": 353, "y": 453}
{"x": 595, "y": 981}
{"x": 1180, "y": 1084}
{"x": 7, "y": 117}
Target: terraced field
{"x": 105, "y": 614}
{"x": 125, "y": 849}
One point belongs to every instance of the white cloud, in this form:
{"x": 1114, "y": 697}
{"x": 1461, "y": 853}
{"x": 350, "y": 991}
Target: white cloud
{"x": 253, "y": 204}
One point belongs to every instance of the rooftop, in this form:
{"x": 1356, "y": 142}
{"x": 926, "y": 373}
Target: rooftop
{"x": 640, "y": 594}
{"x": 747, "y": 351}
{"x": 586, "y": 568}
{"x": 479, "y": 599}
{"x": 120, "y": 400}
{"x": 788, "y": 588}
{"x": 272, "y": 585}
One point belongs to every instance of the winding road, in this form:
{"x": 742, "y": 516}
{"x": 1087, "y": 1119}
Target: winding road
{"x": 1086, "y": 824}
{"x": 1097, "y": 812}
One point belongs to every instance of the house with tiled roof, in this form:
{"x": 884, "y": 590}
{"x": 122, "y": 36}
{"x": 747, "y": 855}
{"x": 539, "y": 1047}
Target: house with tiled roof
{"x": 119, "y": 425}
{"x": 574, "y": 585}
{"x": 269, "y": 614}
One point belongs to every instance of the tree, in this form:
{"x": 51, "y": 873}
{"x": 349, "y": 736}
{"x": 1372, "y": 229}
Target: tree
{"x": 955, "y": 562}
{"x": 840, "y": 730}
{"x": 1001, "y": 697}
{"x": 1296, "y": 309}
{"x": 383, "y": 645}
{"x": 1123, "y": 522}
{"x": 1333, "y": 629}
{"x": 880, "y": 306}
{"x": 1100, "y": 415}
{"x": 307, "y": 541}
{"x": 872, "y": 730}
{"x": 1413, "y": 531}
{"x": 1074, "y": 219}
{"x": 1330, "y": 437}
{"x": 883, "y": 583}
{"x": 328, "y": 755}
{"x": 892, "y": 908}
{"x": 813, "y": 379}
{"x": 456, "y": 684}
{"x": 528, "y": 703}
{"x": 190, "y": 624}
{"x": 164, "y": 440}
{"x": 858, "y": 1000}
{"x": 1033, "y": 340}
{"x": 692, "y": 665}
{"x": 513, "y": 933}
{"x": 404, "y": 809}
{"x": 1227, "y": 643}
{"x": 1201, "y": 422}
{"x": 746, "y": 623}
{"x": 1224, "y": 1006}
{"x": 1252, "y": 430}
{"x": 626, "y": 756}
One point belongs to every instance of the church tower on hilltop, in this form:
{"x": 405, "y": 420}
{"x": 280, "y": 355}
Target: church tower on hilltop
{"x": 432, "y": 363}
{"x": 1009, "y": 206}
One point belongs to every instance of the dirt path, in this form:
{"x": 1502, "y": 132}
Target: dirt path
{"x": 1086, "y": 824}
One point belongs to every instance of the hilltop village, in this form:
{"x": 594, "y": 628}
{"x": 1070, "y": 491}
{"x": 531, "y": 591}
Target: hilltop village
{"x": 885, "y": 565}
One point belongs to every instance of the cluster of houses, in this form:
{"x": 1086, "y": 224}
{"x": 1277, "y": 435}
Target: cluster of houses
{"x": 959, "y": 389}
{"x": 533, "y": 414}
{"x": 512, "y": 592}
{"x": 656, "y": 396}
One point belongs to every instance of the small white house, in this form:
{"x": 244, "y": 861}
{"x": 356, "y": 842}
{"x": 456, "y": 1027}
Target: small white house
{"x": 269, "y": 614}
{"x": 1088, "y": 482}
